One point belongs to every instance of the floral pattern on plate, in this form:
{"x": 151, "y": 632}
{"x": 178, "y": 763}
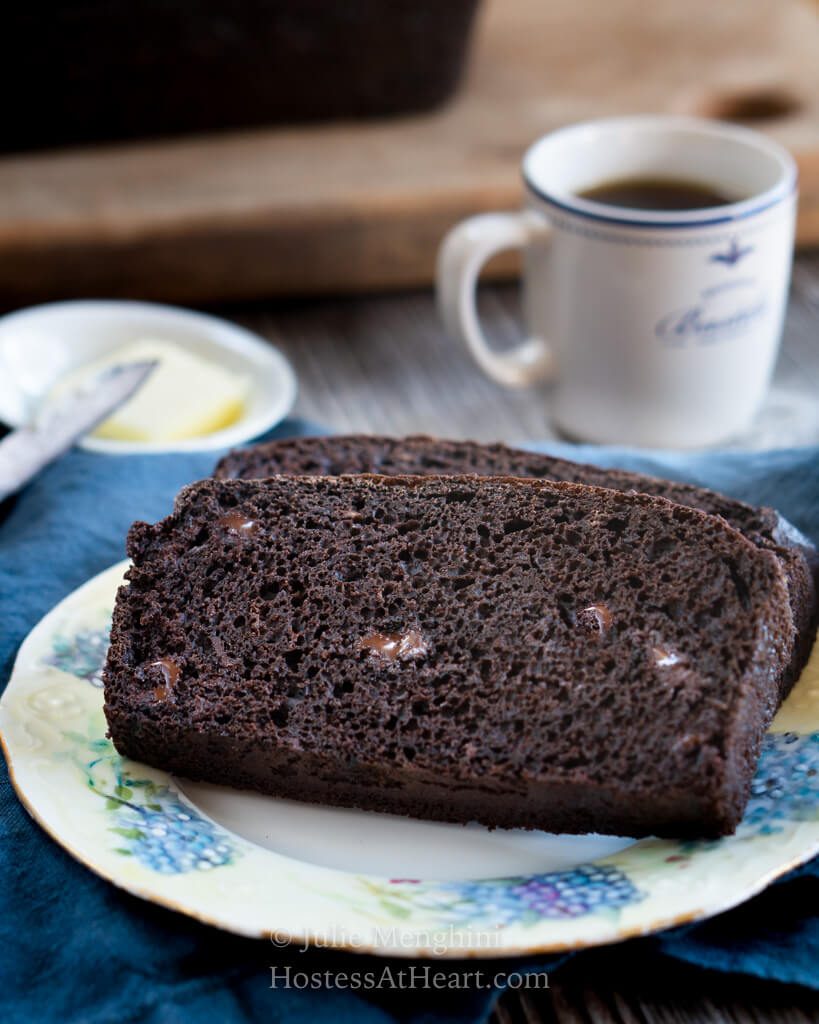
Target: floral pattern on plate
{"x": 81, "y": 654}
{"x": 786, "y": 784}
{"x": 554, "y": 895}
{"x": 148, "y": 820}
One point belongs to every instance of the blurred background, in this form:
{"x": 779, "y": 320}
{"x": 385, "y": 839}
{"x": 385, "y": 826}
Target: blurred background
{"x": 295, "y": 163}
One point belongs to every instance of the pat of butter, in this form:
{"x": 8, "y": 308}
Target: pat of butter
{"x": 185, "y": 396}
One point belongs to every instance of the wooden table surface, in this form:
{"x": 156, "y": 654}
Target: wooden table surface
{"x": 384, "y": 365}
{"x": 360, "y": 206}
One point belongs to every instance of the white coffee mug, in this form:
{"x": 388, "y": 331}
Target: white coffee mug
{"x": 658, "y": 328}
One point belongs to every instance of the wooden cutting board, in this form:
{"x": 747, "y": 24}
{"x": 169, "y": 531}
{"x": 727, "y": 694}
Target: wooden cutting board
{"x": 353, "y": 207}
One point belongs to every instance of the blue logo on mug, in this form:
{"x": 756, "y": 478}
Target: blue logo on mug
{"x": 733, "y": 254}
{"x": 704, "y": 324}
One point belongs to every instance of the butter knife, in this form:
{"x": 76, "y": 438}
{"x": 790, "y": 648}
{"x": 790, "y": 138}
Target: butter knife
{"x": 24, "y": 452}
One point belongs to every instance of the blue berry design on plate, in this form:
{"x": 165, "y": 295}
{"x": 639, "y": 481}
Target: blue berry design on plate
{"x": 583, "y": 890}
{"x": 785, "y": 789}
{"x": 82, "y": 654}
{"x": 173, "y": 840}
{"x": 555, "y": 895}
{"x": 148, "y": 820}
{"x": 786, "y": 784}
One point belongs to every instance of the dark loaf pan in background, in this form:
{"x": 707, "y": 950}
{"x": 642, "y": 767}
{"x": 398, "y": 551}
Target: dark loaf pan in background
{"x": 92, "y": 70}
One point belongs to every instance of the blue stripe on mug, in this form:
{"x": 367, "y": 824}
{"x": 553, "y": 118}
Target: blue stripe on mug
{"x": 609, "y": 218}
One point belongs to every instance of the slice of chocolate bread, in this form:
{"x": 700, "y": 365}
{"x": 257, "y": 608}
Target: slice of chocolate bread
{"x": 362, "y": 453}
{"x": 520, "y": 653}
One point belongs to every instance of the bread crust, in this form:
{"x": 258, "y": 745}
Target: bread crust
{"x": 522, "y": 653}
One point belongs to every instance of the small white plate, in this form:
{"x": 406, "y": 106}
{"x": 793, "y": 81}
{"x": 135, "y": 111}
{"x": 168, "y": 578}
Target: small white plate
{"x": 257, "y": 865}
{"x": 40, "y": 344}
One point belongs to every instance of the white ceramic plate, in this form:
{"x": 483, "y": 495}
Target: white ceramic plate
{"x": 40, "y": 344}
{"x": 265, "y": 867}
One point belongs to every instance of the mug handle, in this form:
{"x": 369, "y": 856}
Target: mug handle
{"x": 462, "y": 255}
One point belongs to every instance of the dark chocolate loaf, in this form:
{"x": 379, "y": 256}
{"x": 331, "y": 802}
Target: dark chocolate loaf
{"x": 361, "y": 453}
{"x": 520, "y": 653}
{"x": 108, "y": 69}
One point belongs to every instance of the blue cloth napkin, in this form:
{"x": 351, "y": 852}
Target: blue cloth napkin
{"x": 75, "y": 949}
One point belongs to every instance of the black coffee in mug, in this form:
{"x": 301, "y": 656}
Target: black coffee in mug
{"x": 657, "y": 194}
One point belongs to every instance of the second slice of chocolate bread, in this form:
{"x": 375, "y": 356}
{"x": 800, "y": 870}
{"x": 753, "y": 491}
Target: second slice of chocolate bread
{"x": 529, "y": 654}
{"x": 368, "y": 453}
